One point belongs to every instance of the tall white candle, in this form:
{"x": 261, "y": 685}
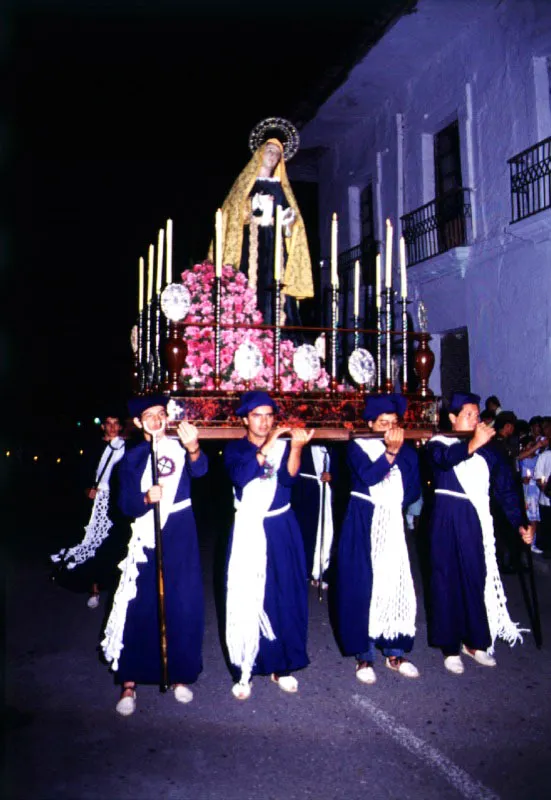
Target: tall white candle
{"x": 357, "y": 289}
{"x": 168, "y": 251}
{"x": 334, "y": 236}
{"x": 150, "y": 269}
{"x": 388, "y": 255}
{"x": 160, "y": 253}
{"x": 140, "y": 284}
{"x": 218, "y": 243}
{"x": 278, "y": 243}
{"x": 403, "y": 272}
{"x": 378, "y": 280}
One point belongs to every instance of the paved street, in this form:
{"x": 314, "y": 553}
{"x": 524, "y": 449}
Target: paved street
{"x": 486, "y": 734}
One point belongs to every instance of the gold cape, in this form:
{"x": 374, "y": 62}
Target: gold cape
{"x": 236, "y": 213}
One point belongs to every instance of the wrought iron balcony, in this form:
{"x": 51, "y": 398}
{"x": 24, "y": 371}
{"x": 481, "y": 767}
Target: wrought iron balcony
{"x": 530, "y": 173}
{"x": 438, "y": 226}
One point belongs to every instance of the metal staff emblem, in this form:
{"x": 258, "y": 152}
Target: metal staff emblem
{"x": 159, "y": 555}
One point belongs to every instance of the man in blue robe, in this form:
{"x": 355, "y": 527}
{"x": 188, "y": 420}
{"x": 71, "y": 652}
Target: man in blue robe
{"x": 266, "y": 591}
{"x": 132, "y": 633}
{"x": 468, "y": 603}
{"x": 376, "y": 603}
{"x": 312, "y": 504}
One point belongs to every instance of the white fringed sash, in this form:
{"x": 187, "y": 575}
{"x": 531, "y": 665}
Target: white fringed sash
{"x": 474, "y": 477}
{"x": 318, "y": 457}
{"x": 246, "y": 619}
{"x": 393, "y": 602}
{"x": 143, "y": 537}
{"x": 99, "y": 523}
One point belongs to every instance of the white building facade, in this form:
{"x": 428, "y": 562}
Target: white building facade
{"x": 442, "y": 129}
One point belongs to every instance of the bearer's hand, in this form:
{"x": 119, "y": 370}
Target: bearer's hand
{"x": 153, "y": 495}
{"x": 394, "y": 439}
{"x": 188, "y": 435}
{"x": 273, "y": 437}
{"x": 527, "y": 533}
{"x": 90, "y": 493}
{"x": 325, "y": 477}
{"x": 300, "y": 437}
{"x": 482, "y": 435}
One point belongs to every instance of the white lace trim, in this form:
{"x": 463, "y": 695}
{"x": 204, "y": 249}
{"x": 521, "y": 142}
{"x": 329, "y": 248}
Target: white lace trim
{"x": 474, "y": 477}
{"x": 246, "y": 619}
{"x": 96, "y": 532}
{"x": 393, "y": 602}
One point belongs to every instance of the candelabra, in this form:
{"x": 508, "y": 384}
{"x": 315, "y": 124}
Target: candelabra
{"x": 404, "y": 302}
{"x": 217, "y": 330}
{"x": 356, "y": 332}
{"x": 157, "y": 369}
{"x": 277, "y": 287}
{"x": 140, "y": 355}
{"x": 388, "y": 341}
{"x": 379, "y": 346}
{"x": 147, "y": 376}
{"x": 334, "y": 324}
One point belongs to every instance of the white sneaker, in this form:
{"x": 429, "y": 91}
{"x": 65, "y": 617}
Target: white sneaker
{"x": 287, "y": 683}
{"x": 365, "y": 674}
{"x": 454, "y": 664}
{"x": 403, "y": 667}
{"x": 241, "y": 691}
{"x": 126, "y": 705}
{"x": 93, "y": 601}
{"x": 183, "y": 694}
{"x": 480, "y": 656}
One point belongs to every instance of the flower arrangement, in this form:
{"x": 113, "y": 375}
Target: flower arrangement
{"x": 238, "y": 307}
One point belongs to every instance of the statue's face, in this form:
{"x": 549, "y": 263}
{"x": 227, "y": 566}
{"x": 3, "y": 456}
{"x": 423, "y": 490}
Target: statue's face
{"x": 271, "y": 156}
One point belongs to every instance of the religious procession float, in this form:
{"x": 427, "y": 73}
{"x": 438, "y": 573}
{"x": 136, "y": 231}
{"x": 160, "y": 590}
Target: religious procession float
{"x": 232, "y": 322}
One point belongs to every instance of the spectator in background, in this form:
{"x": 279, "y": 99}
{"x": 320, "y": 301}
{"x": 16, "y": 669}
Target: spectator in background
{"x": 492, "y": 404}
{"x": 505, "y": 444}
{"x": 532, "y": 443}
{"x": 542, "y": 473}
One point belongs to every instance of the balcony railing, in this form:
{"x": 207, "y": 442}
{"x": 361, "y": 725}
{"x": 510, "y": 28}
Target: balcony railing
{"x": 530, "y": 173}
{"x": 438, "y": 226}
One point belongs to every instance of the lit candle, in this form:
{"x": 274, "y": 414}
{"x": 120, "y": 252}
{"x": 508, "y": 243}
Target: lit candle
{"x": 160, "y": 251}
{"x": 168, "y": 251}
{"x": 388, "y": 256}
{"x": 378, "y": 280}
{"x": 334, "y": 270}
{"x": 403, "y": 274}
{"x": 140, "y": 284}
{"x": 357, "y": 289}
{"x": 278, "y": 243}
{"x": 150, "y": 273}
{"x": 218, "y": 236}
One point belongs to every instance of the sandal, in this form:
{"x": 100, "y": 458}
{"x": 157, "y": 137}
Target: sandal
{"x": 365, "y": 672}
{"x": 287, "y": 683}
{"x": 127, "y": 703}
{"x": 241, "y": 691}
{"x": 402, "y": 666}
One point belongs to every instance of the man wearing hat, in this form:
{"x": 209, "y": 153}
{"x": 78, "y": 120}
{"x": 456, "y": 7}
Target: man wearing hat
{"x": 93, "y": 561}
{"x": 132, "y": 634}
{"x": 266, "y": 589}
{"x": 376, "y": 603}
{"x": 468, "y": 603}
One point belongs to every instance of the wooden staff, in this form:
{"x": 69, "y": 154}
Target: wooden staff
{"x": 159, "y": 554}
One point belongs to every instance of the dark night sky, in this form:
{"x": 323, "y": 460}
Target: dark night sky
{"x": 122, "y": 121}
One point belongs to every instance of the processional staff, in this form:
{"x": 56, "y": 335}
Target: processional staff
{"x": 159, "y": 558}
